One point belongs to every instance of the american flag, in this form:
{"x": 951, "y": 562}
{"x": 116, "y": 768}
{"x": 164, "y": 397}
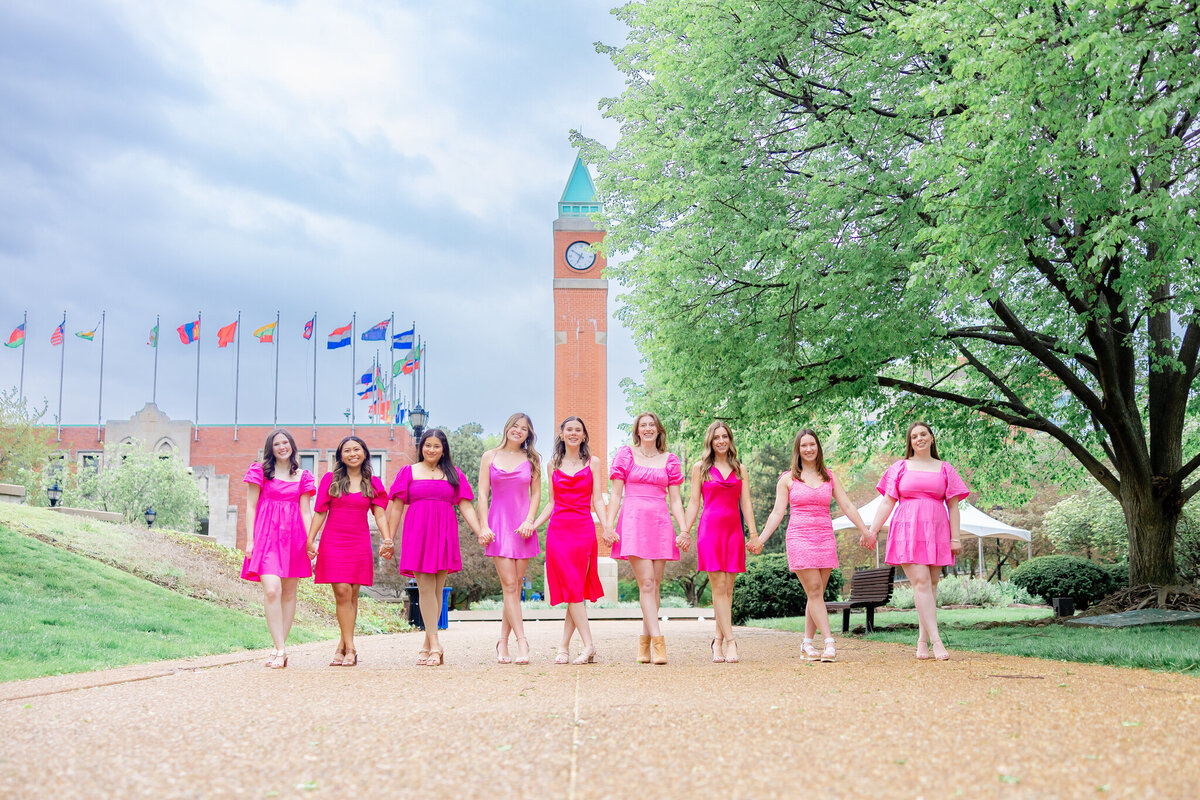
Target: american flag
{"x": 56, "y": 338}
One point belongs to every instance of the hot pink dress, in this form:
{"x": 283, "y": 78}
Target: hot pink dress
{"x": 720, "y": 541}
{"x": 811, "y": 543}
{"x": 644, "y": 527}
{"x": 345, "y": 554}
{"x": 429, "y": 542}
{"x": 509, "y": 508}
{"x": 919, "y": 531}
{"x": 571, "y": 548}
{"x": 280, "y": 538}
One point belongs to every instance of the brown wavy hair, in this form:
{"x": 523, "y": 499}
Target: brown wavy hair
{"x": 821, "y": 469}
{"x": 660, "y": 441}
{"x": 708, "y": 456}
{"x": 535, "y": 460}
{"x": 268, "y": 454}
{"x": 341, "y": 476}
{"x": 560, "y": 447}
{"x": 908, "y": 448}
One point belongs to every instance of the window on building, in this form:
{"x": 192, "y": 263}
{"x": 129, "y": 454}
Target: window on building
{"x": 308, "y": 461}
{"x": 90, "y": 462}
{"x": 377, "y": 465}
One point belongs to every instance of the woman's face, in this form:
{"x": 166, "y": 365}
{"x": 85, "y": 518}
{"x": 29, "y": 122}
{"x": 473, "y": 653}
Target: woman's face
{"x": 431, "y": 451}
{"x": 808, "y": 449}
{"x": 352, "y": 454}
{"x": 281, "y": 447}
{"x": 647, "y": 430}
{"x": 572, "y": 433}
{"x": 720, "y": 441}
{"x": 519, "y": 432}
{"x": 921, "y": 438}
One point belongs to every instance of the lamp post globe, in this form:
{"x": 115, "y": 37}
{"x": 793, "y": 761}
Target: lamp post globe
{"x": 150, "y": 515}
{"x": 419, "y": 417}
{"x": 54, "y": 493}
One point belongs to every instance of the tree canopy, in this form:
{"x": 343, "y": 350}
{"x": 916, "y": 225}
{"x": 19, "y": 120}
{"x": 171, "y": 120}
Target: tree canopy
{"x": 981, "y": 213}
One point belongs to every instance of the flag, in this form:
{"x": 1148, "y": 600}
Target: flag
{"x": 89, "y": 335}
{"x": 17, "y": 337}
{"x": 367, "y": 391}
{"x": 380, "y": 408}
{"x": 413, "y": 364}
{"x": 339, "y": 338}
{"x": 308, "y": 326}
{"x": 56, "y": 338}
{"x": 397, "y": 368}
{"x": 400, "y": 416}
{"x": 225, "y": 335}
{"x": 189, "y": 332}
{"x": 152, "y": 341}
{"x": 367, "y": 377}
{"x": 266, "y": 333}
{"x": 404, "y": 339}
{"x": 376, "y": 333}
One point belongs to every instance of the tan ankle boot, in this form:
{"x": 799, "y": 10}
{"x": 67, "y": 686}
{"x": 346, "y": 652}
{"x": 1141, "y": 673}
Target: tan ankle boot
{"x": 643, "y": 649}
{"x": 659, "y": 646}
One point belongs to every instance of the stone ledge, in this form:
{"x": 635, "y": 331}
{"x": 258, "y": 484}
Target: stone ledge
{"x": 12, "y": 493}
{"x": 103, "y": 516}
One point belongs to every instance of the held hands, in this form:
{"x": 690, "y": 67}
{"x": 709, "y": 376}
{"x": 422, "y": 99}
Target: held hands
{"x": 312, "y": 550}
{"x": 754, "y": 545}
{"x": 526, "y": 529}
{"x": 386, "y": 550}
{"x": 486, "y": 536}
{"x": 683, "y": 541}
{"x": 867, "y": 540}
{"x": 609, "y": 536}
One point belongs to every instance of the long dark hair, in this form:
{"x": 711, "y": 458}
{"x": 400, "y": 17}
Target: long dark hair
{"x": 445, "y": 463}
{"x": 708, "y": 456}
{"x": 821, "y": 470}
{"x": 908, "y": 448}
{"x": 268, "y": 454}
{"x": 560, "y": 447}
{"x": 341, "y": 476}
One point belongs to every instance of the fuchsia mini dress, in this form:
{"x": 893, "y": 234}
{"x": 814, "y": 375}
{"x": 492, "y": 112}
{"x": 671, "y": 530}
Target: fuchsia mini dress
{"x": 810, "y": 540}
{"x": 280, "y": 544}
{"x": 508, "y": 509}
{"x": 571, "y": 548}
{"x": 720, "y": 541}
{"x": 429, "y": 541}
{"x": 919, "y": 531}
{"x": 644, "y": 527}
{"x": 345, "y": 554}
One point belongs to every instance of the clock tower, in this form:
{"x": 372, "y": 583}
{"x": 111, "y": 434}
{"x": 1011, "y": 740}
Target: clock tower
{"x": 581, "y": 314}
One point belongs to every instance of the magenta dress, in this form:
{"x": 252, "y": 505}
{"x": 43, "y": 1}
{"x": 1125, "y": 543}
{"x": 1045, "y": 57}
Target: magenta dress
{"x": 345, "y": 554}
{"x": 644, "y": 527}
{"x": 509, "y": 508}
{"x": 720, "y": 542}
{"x": 810, "y": 541}
{"x": 429, "y": 542}
{"x": 280, "y": 538}
{"x": 919, "y": 531}
{"x": 571, "y": 547}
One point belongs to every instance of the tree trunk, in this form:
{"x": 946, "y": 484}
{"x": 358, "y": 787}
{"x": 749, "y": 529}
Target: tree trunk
{"x": 1152, "y": 519}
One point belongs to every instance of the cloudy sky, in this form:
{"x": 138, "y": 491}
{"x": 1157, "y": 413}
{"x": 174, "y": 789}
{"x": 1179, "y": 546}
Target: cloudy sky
{"x": 336, "y": 156}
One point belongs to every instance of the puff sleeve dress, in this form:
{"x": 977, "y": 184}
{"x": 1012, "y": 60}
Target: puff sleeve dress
{"x": 919, "y": 530}
{"x": 644, "y": 527}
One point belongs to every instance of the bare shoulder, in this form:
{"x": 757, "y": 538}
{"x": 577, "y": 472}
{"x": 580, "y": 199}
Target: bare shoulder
{"x": 696, "y": 470}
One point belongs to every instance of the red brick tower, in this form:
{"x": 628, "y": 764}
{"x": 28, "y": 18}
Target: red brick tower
{"x": 580, "y": 313}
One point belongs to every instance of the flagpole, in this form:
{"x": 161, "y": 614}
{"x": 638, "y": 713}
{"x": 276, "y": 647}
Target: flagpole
{"x": 154, "y": 386}
{"x": 237, "y": 373}
{"x": 196, "y": 424}
{"x": 100, "y": 399}
{"x": 392, "y": 385}
{"x": 353, "y": 356}
{"x": 313, "y": 336}
{"x": 62, "y": 361}
{"x": 24, "y": 347}
{"x": 275, "y": 421}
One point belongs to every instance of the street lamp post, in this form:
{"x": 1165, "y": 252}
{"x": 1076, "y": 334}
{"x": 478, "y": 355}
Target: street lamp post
{"x": 54, "y": 493}
{"x": 419, "y": 417}
{"x": 150, "y": 515}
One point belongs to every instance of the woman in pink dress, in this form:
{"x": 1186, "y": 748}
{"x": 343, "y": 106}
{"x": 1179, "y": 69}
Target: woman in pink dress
{"x": 808, "y": 489}
{"x": 510, "y": 488}
{"x": 344, "y": 558}
{"x": 648, "y": 478}
{"x": 924, "y": 535}
{"x": 571, "y": 549}
{"x": 424, "y": 497}
{"x": 720, "y": 480}
{"x": 279, "y": 505}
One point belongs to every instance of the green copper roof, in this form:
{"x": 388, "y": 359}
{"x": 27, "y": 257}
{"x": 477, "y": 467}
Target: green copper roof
{"x": 579, "y": 197}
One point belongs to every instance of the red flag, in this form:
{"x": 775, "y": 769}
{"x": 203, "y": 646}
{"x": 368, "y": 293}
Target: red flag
{"x": 56, "y": 338}
{"x": 225, "y": 335}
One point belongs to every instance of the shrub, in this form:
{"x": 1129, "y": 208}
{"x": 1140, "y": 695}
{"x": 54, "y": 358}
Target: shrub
{"x": 961, "y": 591}
{"x": 1117, "y": 573}
{"x": 1064, "y": 576}
{"x": 768, "y": 589}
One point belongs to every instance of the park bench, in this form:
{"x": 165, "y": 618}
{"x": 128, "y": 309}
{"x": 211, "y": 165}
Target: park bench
{"x": 869, "y": 589}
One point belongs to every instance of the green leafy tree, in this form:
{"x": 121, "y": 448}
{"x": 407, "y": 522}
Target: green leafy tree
{"x": 134, "y": 479}
{"x": 25, "y": 446}
{"x": 979, "y": 212}
{"x": 1089, "y": 524}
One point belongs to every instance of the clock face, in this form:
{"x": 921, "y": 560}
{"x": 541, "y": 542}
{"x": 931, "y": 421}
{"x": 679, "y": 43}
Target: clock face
{"x": 580, "y": 256}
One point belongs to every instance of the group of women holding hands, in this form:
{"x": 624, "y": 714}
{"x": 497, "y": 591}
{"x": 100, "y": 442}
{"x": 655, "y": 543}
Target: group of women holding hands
{"x": 644, "y": 522}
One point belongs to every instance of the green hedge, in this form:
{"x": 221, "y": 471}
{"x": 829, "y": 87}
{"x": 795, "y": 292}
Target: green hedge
{"x": 768, "y": 589}
{"x": 1117, "y": 573}
{"x": 1064, "y": 576}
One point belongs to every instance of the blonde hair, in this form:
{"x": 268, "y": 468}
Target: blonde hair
{"x": 660, "y": 441}
{"x": 535, "y": 460}
{"x": 708, "y": 456}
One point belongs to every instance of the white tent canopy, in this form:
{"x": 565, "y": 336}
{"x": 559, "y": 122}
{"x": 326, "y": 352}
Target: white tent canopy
{"x": 971, "y": 520}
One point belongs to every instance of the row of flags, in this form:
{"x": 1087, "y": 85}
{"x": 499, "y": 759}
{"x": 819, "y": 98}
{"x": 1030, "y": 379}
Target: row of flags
{"x": 17, "y": 337}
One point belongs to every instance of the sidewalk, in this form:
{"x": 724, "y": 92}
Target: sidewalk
{"x": 876, "y": 723}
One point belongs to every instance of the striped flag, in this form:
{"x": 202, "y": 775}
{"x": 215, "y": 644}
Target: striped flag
{"x": 89, "y": 335}
{"x": 152, "y": 341}
{"x": 17, "y": 337}
{"x": 266, "y": 333}
{"x": 339, "y": 337}
{"x": 189, "y": 332}
{"x": 56, "y": 338}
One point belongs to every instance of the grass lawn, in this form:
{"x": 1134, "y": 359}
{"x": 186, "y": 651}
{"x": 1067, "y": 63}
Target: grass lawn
{"x": 1160, "y": 647}
{"x": 61, "y": 612}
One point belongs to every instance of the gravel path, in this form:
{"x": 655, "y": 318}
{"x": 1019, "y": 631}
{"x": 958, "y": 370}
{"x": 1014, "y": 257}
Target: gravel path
{"x": 771, "y": 726}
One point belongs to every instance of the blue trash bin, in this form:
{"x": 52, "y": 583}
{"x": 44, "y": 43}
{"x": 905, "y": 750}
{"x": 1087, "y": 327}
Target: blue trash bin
{"x": 444, "y": 617}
